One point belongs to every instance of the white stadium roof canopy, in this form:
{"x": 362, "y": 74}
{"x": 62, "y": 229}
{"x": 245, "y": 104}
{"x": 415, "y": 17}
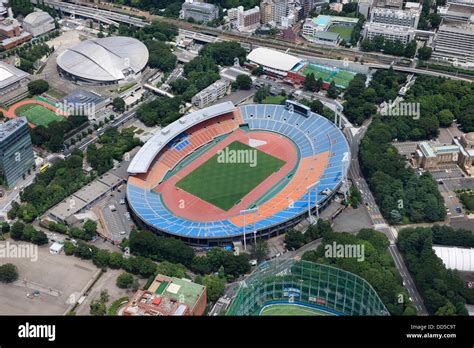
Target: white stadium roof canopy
{"x": 104, "y": 59}
{"x": 143, "y": 159}
{"x": 273, "y": 59}
{"x": 461, "y": 259}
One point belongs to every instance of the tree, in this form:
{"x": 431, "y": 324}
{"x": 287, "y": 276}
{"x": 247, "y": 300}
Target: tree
{"x": 118, "y": 104}
{"x": 98, "y": 308}
{"x": 424, "y": 53}
{"x": 332, "y": 90}
{"x": 294, "y": 239}
{"x": 37, "y": 87}
{"x": 8, "y": 273}
{"x": 124, "y": 280}
{"x": 90, "y": 228}
{"x": 215, "y": 287}
{"x": 446, "y": 118}
{"x": 5, "y": 227}
{"x": 258, "y": 70}
{"x": 448, "y": 309}
{"x": 260, "y": 250}
{"x": 310, "y": 83}
{"x": 410, "y": 49}
{"x": 17, "y": 230}
{"x": 244, "y": 82}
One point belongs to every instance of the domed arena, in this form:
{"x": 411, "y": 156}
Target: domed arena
{"x": 104, "y": 61}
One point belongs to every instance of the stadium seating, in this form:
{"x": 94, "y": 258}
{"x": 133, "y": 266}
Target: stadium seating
{"x": 321, "y": 145}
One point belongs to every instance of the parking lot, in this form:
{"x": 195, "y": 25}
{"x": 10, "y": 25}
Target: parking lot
{"x": 115, "y": 217}
{"x": 59, "y": 279}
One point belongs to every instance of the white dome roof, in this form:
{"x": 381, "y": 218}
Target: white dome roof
{"x": 104, "y": 59}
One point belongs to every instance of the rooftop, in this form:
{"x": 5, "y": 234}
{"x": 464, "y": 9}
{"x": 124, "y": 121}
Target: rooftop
{"x": 273, "y": 59}
{"x": 461, "y": 259}
{"x": 10, "y": 74}
{"x": 9, "y": 128}
{"x": 82, "y": 96}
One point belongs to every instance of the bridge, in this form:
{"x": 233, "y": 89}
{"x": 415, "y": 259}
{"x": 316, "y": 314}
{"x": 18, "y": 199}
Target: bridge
{"x": 418, "y": 71}
{"x": 96, "y": 14}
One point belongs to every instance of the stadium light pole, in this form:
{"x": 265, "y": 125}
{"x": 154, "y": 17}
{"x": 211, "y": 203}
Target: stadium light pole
{"x": 345, "y": 167}
{"x": 309, "y": 200}
{"x": 245, "y": 212}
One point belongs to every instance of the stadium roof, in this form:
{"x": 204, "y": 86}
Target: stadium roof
{"x": 273, "y": 59}
{"x": 142, "y": 160}
{"x": 461, "y": 259}
{"x": 105, "y": 59}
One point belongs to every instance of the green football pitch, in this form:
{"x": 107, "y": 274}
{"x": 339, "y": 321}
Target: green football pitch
{"x": 344, "y": 31}
{"x": 37, "y": 114}
{"x": 291, "y": 310}
{"x": 230, "y": 174}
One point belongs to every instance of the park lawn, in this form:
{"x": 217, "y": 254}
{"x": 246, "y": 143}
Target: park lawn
{"x": 223, "y": 182}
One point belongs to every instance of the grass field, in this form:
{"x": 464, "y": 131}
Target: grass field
{"x": 291, "y": 310}
{"x": 274, "y": 99}
{"x": 340, "y": 77}
{"x": 229, "y": 175}
{"x": 37, "y": 114}
{"x": 345, "y": 32}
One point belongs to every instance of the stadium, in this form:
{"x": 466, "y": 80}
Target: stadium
{"x": 224, "y": 172}
{"x": 289, "y": 287}
{"x": 103, "y": 61}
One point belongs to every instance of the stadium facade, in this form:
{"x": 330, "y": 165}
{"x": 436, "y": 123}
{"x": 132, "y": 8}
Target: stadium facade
{"x": 317, "y": 147}
{"x": 286, "y": 281}
{"x": 104, "y": 61}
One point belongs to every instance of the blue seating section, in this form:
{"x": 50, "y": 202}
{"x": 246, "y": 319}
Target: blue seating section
{"x": 182, "y": 145}
{"x": 312, "y": 135}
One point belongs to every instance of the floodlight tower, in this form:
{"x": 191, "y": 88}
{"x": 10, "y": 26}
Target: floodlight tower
{"x": 244, "y": 213}
{"x": 308, "y": 189}
{"x": 345, "y": 169}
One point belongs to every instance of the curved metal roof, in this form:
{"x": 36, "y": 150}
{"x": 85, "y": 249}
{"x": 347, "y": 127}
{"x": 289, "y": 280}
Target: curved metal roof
{"x": 37, "y": 17}
{"x": 273, "y": 59}
{"x": 104, "y": 59}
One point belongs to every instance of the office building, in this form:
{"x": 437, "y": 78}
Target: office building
{"x": 454, "y": 42}
{"x": 389, "y": 32}
{"x": 406, "y": 18}
{"x": 199, "y": 11}
{"x": 248, "y": 20}
{"x": 16, "y": 150}
{"x": 211, "y": 93}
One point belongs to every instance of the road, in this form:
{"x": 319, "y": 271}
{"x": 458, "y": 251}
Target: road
{"x": 377, "y": 219}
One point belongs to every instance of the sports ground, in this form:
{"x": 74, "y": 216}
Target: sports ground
{"x": 344, "y": 31}
{"x": 292, "y": 310}
{"x": 340, "y": 77}
{"x": 37, "y": 112}
{"x": 230, "y": 174}
{"x": 222, "y": 190}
